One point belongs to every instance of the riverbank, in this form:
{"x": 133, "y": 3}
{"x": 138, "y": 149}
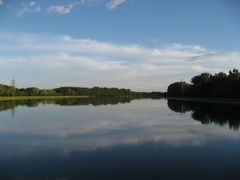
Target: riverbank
{"x": 209, "y": 100}
{"x": 9, "y": 98}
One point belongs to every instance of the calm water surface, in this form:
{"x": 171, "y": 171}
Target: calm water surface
{"x": 107, "y": 139}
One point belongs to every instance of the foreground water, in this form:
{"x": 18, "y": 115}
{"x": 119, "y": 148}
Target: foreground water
{"x": 119, "y": 139}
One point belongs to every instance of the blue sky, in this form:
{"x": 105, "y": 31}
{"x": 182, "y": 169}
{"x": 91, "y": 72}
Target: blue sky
{"x": 137, "y": 44}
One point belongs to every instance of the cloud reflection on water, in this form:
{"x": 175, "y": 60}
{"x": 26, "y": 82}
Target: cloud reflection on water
{"x": 76, "y": 128}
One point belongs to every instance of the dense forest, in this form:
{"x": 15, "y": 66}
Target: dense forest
{"x": 66, "y": 91}
{"x": 219, "y": 85}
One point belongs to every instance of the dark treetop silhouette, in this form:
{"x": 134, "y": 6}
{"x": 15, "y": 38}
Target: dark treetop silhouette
{"x": 220, "y": 85}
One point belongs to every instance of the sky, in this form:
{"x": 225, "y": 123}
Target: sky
{"x": 143, "y": 45}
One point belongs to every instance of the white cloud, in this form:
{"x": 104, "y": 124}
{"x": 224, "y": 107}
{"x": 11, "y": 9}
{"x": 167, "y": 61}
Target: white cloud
{"x": 63, "y": 59}
{"x": 60, "y": 9}
{"x": 112, "y": 4}
{"x": 33, "y": 7}
{"x": 32, "y": 3}
{"x": 200, "y": 69}
{"x": 30, "y": 7}
{"x": 1, "y": 2}
{"x": 186, "y": 47}
{"x": 66, "y": 9}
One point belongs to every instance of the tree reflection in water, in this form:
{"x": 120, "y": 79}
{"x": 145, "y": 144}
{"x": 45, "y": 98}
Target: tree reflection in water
{"x": 12, "y": 104}
{"x": 206, "y": 112}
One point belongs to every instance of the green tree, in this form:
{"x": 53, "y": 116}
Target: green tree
{"x": 178, "y": 89}
{"x": 201, "y": 79}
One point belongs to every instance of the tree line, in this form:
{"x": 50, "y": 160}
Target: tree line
{"x": 219, "y": 85}
{"x": 6, "y": 90}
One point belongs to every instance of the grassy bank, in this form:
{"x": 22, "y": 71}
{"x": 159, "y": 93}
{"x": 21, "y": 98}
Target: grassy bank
{"x": 7, "y": 98}
{"x": 210, "y": 100}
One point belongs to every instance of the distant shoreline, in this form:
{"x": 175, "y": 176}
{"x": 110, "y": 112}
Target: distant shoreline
{"x": 7, "y": 98}
{"x": 210, "y": 100}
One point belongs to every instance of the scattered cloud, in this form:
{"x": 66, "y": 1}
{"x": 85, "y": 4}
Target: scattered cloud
{"x": 34, "y": 7}
{"x": 61, "y": 9}
{"x": 93, "y": 62}
{"x": 30, "y": 7}
{"x": 1, "y": 2}
{"x": 66, "y": 9}
{"x": 113, "y": 4}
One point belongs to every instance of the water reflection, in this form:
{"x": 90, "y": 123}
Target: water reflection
{"x": 73, "y": 126}
{"x": 143, "y": 139}
{"x": 206, "y": 113}
{"x": 12, "y": 104}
